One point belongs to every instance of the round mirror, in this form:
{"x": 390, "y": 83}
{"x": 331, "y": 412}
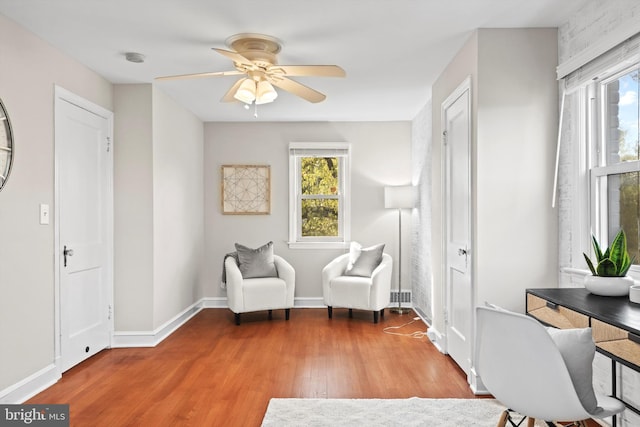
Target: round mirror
{"x": 6, "y": 145}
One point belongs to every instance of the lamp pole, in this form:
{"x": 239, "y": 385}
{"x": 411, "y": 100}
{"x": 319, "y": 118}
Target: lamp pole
{"x": 399, "y": 197}
{"x": 399, "y": 309}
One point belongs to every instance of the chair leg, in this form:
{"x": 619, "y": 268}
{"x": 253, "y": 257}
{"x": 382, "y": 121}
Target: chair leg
{"x": 330, "y": 311}
{"x": 375, "y": 316}
{"x": 382, "y": 313}
{"x": 287, "y": 311}
{"x": 237, "y": 319}
{"x": 350, "y": 313}
{"x": 270, "y": 314}
{"x": 502, "y": 422}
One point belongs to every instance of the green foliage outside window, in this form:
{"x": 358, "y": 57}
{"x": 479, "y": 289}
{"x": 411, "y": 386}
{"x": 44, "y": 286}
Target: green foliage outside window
{"x": 629, "y": 208}
{"x": 319, "y": 217}
{"x": 319, "y": 196}
{"x": 624, "y": 189}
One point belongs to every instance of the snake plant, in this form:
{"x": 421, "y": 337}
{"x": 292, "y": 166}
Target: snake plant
{"x": 614, "y": 261}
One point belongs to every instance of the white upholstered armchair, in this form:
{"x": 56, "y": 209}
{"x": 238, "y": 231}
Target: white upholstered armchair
{"x": 354, "y": 291}
{"x": 260, "y": 293}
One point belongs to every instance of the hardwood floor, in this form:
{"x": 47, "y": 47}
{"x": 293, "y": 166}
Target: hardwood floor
{"x": 211, "y": 372}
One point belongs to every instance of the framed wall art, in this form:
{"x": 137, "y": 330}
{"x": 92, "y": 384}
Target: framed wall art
{"x": 246, "y": 189}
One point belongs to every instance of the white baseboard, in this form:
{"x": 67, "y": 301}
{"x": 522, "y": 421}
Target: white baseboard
{"x": 123, "y": 339}
{"x": 30, "y": 386}
{"x": 422, "y": 317}
{"x": 475, "y": 382}
{"x": 309, "y": 302}
{"x": 214, "y": 302}
{"x": 299, "y": 302}
{"x": 438, "y": 339}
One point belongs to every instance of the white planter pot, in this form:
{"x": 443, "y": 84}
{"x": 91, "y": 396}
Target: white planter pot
{"x": 608, "y": 286}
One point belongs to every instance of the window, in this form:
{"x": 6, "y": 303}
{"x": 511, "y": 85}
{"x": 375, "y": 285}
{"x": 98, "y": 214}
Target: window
{"x": 615, "y": 159}
{"x": 319, "y": 194}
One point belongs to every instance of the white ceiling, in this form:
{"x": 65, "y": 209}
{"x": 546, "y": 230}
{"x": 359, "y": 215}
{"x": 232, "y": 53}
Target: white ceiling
{"x": 391, "y": 50}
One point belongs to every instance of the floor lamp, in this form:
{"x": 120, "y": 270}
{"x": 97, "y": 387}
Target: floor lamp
{"x": 400, "y": 197}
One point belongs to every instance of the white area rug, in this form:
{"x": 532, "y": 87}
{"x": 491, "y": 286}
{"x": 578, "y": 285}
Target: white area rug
{"x": 383, "y": 412}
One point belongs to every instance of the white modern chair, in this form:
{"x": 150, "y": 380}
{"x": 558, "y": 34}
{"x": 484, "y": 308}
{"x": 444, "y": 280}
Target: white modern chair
{"x": 356, "y": 292}
{"x": 260, "y": 293}
{"x": 521, "y": 365}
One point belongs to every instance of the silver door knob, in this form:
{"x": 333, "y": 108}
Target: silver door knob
{"x": 462, "y": 252}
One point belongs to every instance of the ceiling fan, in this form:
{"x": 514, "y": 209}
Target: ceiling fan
{"x": 254, "y": 55}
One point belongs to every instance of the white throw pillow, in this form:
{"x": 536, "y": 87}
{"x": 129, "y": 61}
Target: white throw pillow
{"x": 368, "y": 260}
{"x": 354, "y": 252}
{"x": 578, "y": 349}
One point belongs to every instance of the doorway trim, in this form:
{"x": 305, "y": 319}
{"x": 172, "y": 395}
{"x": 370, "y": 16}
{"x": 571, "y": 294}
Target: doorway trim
{"x": 463, "y": 87}
{"x": 64, "y": 95}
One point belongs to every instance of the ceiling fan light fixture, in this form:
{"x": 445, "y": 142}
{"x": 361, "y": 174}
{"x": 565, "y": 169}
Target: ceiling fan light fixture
{"x": 265, "y": 93}
{"x": 246, "y": 92}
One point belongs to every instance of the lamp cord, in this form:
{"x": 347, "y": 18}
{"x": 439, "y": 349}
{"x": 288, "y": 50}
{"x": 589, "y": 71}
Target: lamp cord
{"x": 416, "y": 334}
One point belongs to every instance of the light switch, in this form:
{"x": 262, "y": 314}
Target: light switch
{"x": 44, "y": 214}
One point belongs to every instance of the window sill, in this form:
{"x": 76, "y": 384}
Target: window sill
{"x": 318, "y": 245}
{"x": 634, "y": 272}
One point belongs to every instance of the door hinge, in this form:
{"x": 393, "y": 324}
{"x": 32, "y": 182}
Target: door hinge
{"x": 108, "y": 144}
{"x": 446, "y": 316}
{"x": 110, "y": 312}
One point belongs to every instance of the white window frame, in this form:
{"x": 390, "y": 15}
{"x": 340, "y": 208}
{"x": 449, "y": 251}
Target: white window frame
{"x": 298, "y": 150}
{"x": 593, "y": 120}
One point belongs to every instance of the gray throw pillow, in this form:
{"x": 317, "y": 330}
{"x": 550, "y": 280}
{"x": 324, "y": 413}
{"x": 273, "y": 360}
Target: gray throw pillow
{"x": 256, "y": 262}
{"x": 368, "y": 260}
{"x": 578, "y": 349}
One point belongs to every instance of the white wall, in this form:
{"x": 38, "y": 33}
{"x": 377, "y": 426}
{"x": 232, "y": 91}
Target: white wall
{"x": 595, "y": 21}
{"x": 380, "y": 156}
{"x": 421, "y": 265}
{"x": 133, "y": 206}
{"x": 515, "y": 158}
{"x": 514, "y": 120}
{"x": 159, "y": 203}
{"x": 29, "y": 70}
{"x": 178, "y": 213}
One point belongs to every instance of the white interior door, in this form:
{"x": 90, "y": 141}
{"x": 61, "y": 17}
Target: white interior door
{"x": 459, "y": 308}
{"x": 84, "y": 251}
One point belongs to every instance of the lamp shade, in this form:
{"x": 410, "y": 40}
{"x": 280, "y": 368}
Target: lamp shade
{"x": 246, "y": 92}
{"x": 265, "y": 93}
{"x": 400, "y": 197}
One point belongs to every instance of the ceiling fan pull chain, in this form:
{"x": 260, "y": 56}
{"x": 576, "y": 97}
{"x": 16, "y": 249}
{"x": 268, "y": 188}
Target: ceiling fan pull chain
{"x": 255, "y": 110}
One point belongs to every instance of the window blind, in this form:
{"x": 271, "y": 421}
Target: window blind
{"x": 618, "y": 58}
{"x": 304, "y": 149}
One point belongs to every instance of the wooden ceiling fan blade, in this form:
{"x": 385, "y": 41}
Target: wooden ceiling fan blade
{"x": 200, "y": 75}
{"x": 310, "y": 70}
{"x": 299, "y": 89}
{"x": 235, "y": 57}
{"x": 228, "y": 97}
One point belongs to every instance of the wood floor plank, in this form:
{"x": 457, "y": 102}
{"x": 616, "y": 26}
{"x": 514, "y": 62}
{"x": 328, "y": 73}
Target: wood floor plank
{"x": 211, "y": 372}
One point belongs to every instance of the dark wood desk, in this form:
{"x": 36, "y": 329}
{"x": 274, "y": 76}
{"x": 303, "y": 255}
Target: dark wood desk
{"x": 614, "y": 322}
